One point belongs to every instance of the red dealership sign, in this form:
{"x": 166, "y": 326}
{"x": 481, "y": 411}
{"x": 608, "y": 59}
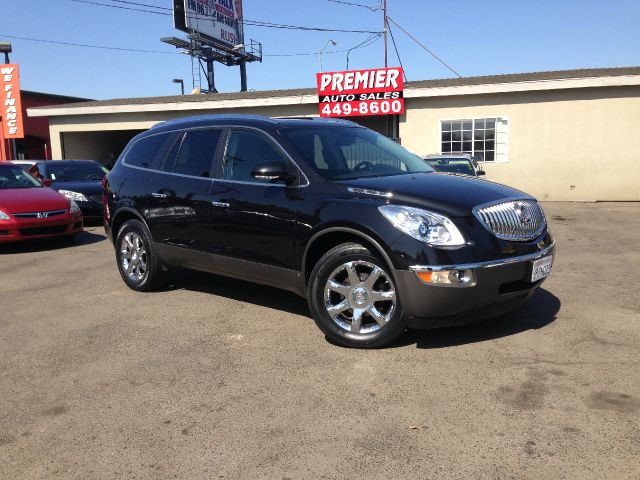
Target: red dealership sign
{"x": 11, "y": 106}
{"x": 361, "y": 92}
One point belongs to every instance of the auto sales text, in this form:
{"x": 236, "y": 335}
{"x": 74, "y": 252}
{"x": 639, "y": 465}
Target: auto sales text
{"x": 376, "y": 91}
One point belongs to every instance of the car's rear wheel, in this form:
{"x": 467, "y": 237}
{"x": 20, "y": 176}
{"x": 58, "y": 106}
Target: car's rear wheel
{"x": 139, "y": 267}
{"x": 353, "y": 298}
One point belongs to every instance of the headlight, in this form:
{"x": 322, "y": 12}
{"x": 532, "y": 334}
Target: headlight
{"x": 78, "y": 197}
{"x": 73, "y": 207}
{"x": 4, "y": 216}
{"x": 428, "y": 227}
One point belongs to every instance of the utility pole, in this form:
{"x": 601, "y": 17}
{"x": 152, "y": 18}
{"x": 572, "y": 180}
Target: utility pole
{"x": 243, "y": 76}
{"x": 386, "y": 28}
{"x": 210, "y": 78}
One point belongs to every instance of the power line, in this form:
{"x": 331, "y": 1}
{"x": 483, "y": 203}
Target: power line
{"x": 430, "y": 52}
{"x": 121, "y": 7}
{"x": 360, "y": 45}
{"x": 397, "y": 53}
{"x": 255, "y": 23}
{"x": 368, "y": 7}
{"x": 105, "y": 47}
{"x": 142, "y": 4}
{"x": 136, "y": 50}
{"x": 369, "y": 41}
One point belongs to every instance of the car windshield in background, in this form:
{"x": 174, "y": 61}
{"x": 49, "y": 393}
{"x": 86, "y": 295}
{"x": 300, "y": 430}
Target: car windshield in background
{"x": 16, "y": 177}
{"x": 340, "y": 153}
{"x": 75, "y": 172}
{"x": 452, "y": 165}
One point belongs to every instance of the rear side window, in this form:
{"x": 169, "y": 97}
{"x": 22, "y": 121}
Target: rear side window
{"x": 197, "y": 153}
{"x": 150, "y": 152}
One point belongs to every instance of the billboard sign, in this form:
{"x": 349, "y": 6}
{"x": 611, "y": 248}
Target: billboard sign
{"x": 354, "y": 93}
{"x": 11, "y": 106}
{"x": 218, "y": 20}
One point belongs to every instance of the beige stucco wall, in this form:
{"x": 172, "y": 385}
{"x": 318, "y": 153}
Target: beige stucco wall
{"x": 571, "y": 144}
{"x": 563, "y": 145}
{"x": 74, "y": 148}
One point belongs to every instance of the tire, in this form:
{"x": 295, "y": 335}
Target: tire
{"x": 349, "y": 266}
{"x": 138, "y": 264}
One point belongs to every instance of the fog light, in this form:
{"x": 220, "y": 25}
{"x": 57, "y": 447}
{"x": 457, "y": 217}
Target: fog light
{"x": 448, "y": 278}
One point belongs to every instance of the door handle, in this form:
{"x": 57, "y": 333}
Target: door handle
{"x": 220, "y": 204}
{"x": 159, "y": 195}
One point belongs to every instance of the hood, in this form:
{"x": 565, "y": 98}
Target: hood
{"x": 90, "y": 187}
{"x": 453, "y": 195}
{"x": 38, "y": 199}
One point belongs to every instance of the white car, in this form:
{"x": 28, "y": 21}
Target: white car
{"x": 25, "y": 164}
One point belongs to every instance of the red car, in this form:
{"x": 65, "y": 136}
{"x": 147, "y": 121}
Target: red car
{"x": 28, "y": 209}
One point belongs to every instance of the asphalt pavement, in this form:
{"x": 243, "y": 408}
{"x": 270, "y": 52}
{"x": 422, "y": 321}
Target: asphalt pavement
{"x": 218, "y": 378}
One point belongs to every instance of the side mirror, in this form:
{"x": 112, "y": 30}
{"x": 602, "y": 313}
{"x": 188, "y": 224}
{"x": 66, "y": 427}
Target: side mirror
{"x": 481, "y": 173}
{"x": 272, "y": 171}
{"x": 47, "y": 182}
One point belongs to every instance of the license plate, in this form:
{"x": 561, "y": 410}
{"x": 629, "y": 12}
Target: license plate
{"x": 541, "y": 268}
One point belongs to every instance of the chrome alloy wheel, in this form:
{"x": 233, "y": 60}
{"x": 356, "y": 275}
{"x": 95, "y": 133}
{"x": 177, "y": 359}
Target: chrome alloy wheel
{"x": 360, "y": 297}
{"x": 133, "y": 256}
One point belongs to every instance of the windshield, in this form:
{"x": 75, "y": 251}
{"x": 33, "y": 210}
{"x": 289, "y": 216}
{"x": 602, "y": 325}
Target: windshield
{"x": 75, "y": 172}
{"x": 15, "y": 177}
{"x": 340, "y": 153}
{"x": 452, "y": 165}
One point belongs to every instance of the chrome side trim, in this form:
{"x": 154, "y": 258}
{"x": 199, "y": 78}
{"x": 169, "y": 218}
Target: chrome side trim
{"x": 486, "y": 264}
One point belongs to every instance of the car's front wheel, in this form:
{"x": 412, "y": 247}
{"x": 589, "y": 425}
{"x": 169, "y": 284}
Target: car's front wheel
{"x": 353, "y": 298}
{"x": 138, "y": 265}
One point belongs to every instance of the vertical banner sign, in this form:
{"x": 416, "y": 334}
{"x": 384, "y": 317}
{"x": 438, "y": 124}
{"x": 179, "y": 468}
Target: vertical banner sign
{"x": 361, "y": 92}
{"x": 11, "y": 107}
{"x": 219, "y": 20}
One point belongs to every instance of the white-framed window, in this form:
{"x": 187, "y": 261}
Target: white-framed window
{"x": 484, "y": 138}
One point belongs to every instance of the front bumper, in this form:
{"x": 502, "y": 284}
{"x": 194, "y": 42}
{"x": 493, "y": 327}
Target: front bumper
{"x": 16, "y": 230}
{"x": 91, "y": 210}
{"x": 501, "y": 286}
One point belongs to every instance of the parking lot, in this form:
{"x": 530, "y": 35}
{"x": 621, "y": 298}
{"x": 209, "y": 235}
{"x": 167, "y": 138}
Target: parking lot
{"x": 218, "y": 378}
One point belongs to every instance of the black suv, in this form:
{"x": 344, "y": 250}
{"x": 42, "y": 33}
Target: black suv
{"x": 366, "y": 231}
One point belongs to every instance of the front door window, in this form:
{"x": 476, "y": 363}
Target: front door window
{"x": 245, "y": 151}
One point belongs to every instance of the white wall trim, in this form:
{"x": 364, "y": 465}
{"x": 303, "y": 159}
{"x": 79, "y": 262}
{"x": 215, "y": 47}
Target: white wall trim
{"x": 166, "y": 107}
{"x": 536, "y": 85}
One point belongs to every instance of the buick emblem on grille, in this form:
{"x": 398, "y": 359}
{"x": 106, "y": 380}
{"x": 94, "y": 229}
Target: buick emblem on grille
{"x": 41, "y": 215}
{"x": 523, "y": 213}
{"x": 518, "y": 220}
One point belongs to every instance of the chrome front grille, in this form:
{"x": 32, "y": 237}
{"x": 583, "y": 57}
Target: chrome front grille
{"x": 518, "y": 220}
{"x": 47, "y": 214}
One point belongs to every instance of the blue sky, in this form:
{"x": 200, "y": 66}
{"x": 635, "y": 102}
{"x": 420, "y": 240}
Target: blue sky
{"x": 475, "y": 37}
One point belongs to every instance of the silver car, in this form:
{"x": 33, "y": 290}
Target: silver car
{"x": 456, "y": 163}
